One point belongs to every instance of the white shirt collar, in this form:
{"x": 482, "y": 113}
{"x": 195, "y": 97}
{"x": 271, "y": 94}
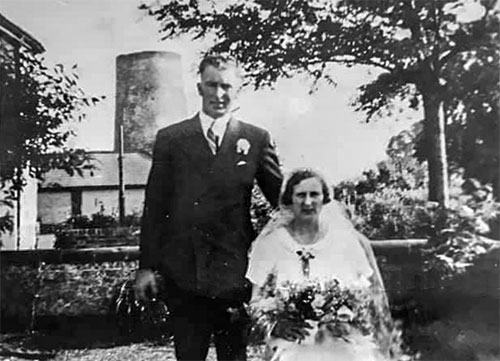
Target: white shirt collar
{"x": 219, "y": 126}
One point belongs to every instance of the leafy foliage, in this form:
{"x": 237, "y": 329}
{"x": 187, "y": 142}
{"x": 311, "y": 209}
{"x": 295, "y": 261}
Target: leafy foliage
{"x": 386, "y": 207}
{"x": 473, "y": 119}
{"x": 390, "y": 203}
{"x": 98, "y": 230}
{"x": 260, "y": 209}
{"x": 274, "y": 38}
{"x": 38, "y": 104}
{"x": 6, "y": 201}
{"x": 473, "y": 115}
{"x": 100, "y": 220}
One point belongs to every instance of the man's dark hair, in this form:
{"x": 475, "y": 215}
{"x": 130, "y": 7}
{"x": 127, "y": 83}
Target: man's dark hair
{"x": 219, "y": 61}
{"x": 297, "y": 177}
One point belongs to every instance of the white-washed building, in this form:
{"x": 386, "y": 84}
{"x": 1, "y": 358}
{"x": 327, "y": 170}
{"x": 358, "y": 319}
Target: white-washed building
{"x": 61, "y": 196}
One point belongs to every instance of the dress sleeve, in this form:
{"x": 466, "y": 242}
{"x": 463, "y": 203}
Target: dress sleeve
{"x": 262, "y": 259}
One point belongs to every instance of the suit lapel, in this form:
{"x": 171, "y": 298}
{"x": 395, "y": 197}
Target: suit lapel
{"x": 195, "y": 144}
{"x": 230, "y": 137}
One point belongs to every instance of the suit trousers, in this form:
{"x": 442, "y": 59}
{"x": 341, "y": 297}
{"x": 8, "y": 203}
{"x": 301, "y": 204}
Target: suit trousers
{"x": 197, "y": 320}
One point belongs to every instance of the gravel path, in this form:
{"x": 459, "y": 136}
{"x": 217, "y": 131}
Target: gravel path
{"x": 129, "y": 353}
{"x": 132, "y": 352}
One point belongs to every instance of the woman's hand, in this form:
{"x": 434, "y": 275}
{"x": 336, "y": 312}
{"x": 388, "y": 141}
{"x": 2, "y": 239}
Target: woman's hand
{"x": 291, "y": 330}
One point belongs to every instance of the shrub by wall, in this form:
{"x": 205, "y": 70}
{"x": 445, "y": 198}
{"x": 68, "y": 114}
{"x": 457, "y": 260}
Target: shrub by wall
{"x": 97, "y": 237}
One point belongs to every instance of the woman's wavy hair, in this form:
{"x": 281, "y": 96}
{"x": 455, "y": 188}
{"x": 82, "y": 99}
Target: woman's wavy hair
{"x": 297, "y": 177}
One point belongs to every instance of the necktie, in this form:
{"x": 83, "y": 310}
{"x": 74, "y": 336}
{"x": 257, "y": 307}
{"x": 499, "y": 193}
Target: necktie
{"x": 212, "y": 138}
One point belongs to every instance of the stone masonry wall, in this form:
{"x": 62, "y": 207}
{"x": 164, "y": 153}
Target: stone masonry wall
{"x": 83, "y": 282}
{"x": 63, "y": 289}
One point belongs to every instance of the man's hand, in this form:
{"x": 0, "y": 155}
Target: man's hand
{"x": 145, "y": 280}
{"x": 291, "y": 330}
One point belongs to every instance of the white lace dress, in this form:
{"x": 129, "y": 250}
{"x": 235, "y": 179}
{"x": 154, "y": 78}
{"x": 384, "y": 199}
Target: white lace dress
{"x": 336, "y": 255}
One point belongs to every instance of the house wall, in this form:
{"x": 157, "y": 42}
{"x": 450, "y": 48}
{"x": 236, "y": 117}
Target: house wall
{"x": 134, "y": 201}
{"x": 54, "y": 207}
{"x": 23, "y": 235}
{"x": 107, "y": 201}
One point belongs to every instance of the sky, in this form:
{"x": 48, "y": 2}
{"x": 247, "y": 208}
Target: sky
{"x": 320, "y": 130}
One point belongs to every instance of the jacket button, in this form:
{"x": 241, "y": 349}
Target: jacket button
{"x": 196, "y": 203}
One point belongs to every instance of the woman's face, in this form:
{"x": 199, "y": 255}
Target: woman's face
{"x": 307, "y": 199}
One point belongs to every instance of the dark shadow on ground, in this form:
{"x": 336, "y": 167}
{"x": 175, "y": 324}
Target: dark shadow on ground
{"x": 448, "y": 324}
{"x": 57, "y": 333}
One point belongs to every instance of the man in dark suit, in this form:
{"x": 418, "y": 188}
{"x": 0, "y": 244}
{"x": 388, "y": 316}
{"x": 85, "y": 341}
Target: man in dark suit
{"x": 196, "y": 228}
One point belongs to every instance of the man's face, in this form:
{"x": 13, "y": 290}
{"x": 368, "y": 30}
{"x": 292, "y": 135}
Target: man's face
{"x": 218, "y": 89}
{"x": 307, "y": 199}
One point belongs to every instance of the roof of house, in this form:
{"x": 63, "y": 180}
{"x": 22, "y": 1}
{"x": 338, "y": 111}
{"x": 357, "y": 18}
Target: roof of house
{"x": 105, "y": 174}
{"x": 19, "y": 36}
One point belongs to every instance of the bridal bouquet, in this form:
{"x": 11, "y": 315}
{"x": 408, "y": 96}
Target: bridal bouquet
{"x": 326, "y": 303}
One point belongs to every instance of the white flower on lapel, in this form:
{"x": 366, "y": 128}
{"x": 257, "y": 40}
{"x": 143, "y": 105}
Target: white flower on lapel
{"x": 242, "y": 146}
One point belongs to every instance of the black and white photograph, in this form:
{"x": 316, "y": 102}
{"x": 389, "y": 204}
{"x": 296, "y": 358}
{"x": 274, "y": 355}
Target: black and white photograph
{"x": 250, "y": 180}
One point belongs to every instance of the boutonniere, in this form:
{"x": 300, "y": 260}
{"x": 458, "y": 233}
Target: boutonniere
{"x": 242, "y": 146}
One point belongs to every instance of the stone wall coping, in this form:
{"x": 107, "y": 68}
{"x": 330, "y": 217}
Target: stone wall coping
{"x": 131, "y": 253}
{"x": 70, "y": 256}
{"x": 399, "y": 243}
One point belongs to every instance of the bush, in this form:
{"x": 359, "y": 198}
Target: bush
{"x": 260, "y": 209}
{"x": 98, "y": 220}
{"x": 99, "y": 230}
{"x": 456, "y": 235}
{"x": 393, "y": 214}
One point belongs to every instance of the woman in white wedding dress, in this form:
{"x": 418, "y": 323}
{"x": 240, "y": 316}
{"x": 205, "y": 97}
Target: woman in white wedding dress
{"x": 311, "y": 238}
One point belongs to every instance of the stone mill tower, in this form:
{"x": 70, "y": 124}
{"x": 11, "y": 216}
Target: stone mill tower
{"x": 149, "y": 95}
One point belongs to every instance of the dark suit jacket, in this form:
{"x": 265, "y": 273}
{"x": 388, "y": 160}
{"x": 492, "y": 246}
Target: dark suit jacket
{"x": 196, "y": 225}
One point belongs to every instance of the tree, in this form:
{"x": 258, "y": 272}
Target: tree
{"x": 411, "y": 42}
{"x": 37, "y": 104}
{"x": 471, "y": 105}
{"x": 472, "y": 108}
{"x": 401, "y": 171}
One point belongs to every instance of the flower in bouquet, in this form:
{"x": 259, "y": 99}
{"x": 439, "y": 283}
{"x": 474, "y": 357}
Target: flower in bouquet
{"x": 345, "y": 314}
{"x": 318, "y": 301}
{"x": 269, "y": 304}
